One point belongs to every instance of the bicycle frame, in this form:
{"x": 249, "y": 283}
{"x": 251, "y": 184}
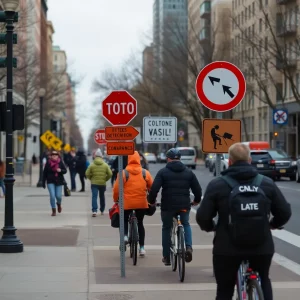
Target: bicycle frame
{"x": 176, "y": 225}
{"x": 244, "y": 274}
{"x": 130, "y": 222}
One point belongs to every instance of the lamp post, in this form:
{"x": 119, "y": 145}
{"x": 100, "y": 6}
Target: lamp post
{"x": 9, "y": 243}
{"x": 42, "y": 93}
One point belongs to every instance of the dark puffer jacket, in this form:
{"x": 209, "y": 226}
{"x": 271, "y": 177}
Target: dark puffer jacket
{"x": 176, "y": 181}
{"x": 49, "y": 174}
{"x": 81, "y": 163}
{"x": 215, "y": 202}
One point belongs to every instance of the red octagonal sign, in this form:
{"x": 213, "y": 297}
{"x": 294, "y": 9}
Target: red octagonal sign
{"x": 119, "y": 108}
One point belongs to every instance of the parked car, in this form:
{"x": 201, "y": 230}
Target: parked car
{"x": 188, "y": 156}
{"x": 274, "y": 163}
{"x": 161, "y": 157}
{"x": 208, "y": 157}
{"x": 151, "y": 157}
{"x": 211, "y": 162}
{"x": 224, "y": 163}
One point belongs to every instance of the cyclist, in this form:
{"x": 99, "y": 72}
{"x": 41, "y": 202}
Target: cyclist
{"x": 135, "y": 196}
{"x": 227, "y": 252}
{"x": 176, "y": 181}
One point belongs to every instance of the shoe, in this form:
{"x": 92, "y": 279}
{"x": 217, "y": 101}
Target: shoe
{"x": 188, "y": 254}
{"x": 94, "y": 214}
{"x": 53, "y": 212}
{"x": 166, "y": 261}
{"x": 102, "y": 213}
{"x": 125, "y": 239}
{"x": 59, "y": 208}
{"x": 142, "y": 251}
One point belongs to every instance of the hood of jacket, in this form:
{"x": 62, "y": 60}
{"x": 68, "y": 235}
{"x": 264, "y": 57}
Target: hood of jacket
{"x": 176, "y": 166}
{"x": 241, "y": 171}
{"x": 134, "y": 163}
{"x": 98, "y": 161}
{"x": 80, "y": 153}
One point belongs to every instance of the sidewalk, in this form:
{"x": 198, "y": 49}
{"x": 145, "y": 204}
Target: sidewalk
{"x": 74, "y": 256}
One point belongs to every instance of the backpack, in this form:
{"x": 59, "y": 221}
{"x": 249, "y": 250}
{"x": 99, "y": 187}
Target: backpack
{"x": 151, "y": 209}
{"x": 249, "y": 210}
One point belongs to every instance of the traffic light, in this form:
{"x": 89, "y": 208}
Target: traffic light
{"x": 275, "y": 134}
{"x": 53, "y": 126}
{"x": 18, "y": 116}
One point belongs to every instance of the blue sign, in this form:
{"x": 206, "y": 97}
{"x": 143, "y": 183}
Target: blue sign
{"x": 280, "y": 116}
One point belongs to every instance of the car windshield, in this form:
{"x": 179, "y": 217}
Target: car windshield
{"x": 187, "y": 152}
{"x": 259, "y": 156}
{"x": 277, "y": 154}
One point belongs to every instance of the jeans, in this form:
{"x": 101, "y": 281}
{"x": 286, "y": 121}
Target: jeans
{"x": 55, "y": 192}
{"x": 226, "y": 268}
{"x": 95, "y": 190}
{"x": 167, "y": 220}
{"x": 73, "y": 181}
{"x": 139, "y": 213}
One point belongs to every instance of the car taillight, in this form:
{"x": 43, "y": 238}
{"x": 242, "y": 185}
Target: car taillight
{"x": 272, "y": 162}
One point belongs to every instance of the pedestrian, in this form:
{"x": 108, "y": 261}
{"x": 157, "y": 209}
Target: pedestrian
{"x": 81, "y": 167}
{"x": 144, "y": 162}
{"x": 34, "y": 159}
{"x": 53, "y": 175}
{"x": 2, "y": 176}
{"x": 135, "y": 195}
{"x": 71, "y": 163}
{"x": 98, "y": 173}
{"x": 244, "y": 201}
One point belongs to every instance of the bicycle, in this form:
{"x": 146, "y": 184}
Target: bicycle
{"x": 177, "y": 253}
{"x": 248, "y": 283}
{"x": 133, "y": 236}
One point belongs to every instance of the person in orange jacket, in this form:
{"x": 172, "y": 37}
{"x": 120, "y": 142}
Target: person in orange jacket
{"x": 135, "y": 195}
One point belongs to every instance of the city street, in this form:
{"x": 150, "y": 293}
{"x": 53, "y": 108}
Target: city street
{"x": 75, "y": 256}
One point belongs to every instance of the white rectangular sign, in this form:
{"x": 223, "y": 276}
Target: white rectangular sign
{"x": 160, "y": 130}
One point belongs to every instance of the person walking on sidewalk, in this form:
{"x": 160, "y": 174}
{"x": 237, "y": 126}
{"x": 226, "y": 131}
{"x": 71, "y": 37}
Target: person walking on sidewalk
{"x": 53, "y": 174}
{"x": 135, "y": 195}
{"x": 81, "y": 168}
{"x": 71, "y": 163}
{"x": 98, "y": 173}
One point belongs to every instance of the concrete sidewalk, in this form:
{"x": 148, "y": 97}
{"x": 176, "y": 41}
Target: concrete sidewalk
{"x": 74, "y": 256}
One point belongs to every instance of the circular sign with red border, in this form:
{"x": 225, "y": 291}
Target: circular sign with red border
{"x": 220, "y": 86}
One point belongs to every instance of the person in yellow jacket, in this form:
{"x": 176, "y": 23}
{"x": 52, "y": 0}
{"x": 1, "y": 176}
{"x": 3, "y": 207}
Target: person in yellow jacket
{"x": 135, "y": 195}
{"x": 99, "y": 173}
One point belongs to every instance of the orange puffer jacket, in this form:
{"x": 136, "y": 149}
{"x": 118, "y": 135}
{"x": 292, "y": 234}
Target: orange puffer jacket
{"x": 135, "y": 188}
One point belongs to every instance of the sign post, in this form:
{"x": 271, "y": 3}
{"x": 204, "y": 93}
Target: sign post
{"x": 220, "y": 86}
{"x": 119, "y": 108}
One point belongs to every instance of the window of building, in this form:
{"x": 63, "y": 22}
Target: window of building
{"x": 253, "y": 29}
{"x": 246, "y": 14}
{"x": 242, "y": 18}
{"x": 249, "y": 11}
{"x": 260, "y": 122}
{"x": 266, "y": 21}
{"x": 266, "y": 43}
{"x": 265, "y": 121}
{"x": 252, "y": 99}
{"x": 55, "y": 57}
{"x": 266, "y": 2}
{"x": 253, "y": 8}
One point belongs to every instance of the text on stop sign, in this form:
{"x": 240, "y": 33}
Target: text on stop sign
{"x": 120, "y": 108}
{"x": 100, "y": 135}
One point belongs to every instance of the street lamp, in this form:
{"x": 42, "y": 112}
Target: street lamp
{"x": 9, "y": 243}
{"x": 42, "y": 93}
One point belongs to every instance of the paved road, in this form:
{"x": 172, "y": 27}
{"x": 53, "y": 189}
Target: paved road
{"x": 287, "y": 241}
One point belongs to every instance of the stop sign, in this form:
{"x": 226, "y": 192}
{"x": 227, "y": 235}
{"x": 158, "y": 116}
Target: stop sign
{"x": 99, "y": 136}
{"x": 119, "y": 108}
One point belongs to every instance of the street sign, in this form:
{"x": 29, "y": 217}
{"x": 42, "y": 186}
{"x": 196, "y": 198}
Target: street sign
{"x": 120, "y": 148}
{"x": 219, "y": 134}
{"x": 46, "y": 137}
{"x": 160, "y": 130}
{"x": 220, "y": 86}
{"x": 280, "y": 116}
{"x": 119, "y": 108}
{"x": 120, "y": 133}
{"x": 99, "y": 137}
{"x": 56, "y": 143}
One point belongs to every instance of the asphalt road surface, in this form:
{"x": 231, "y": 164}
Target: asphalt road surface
{"x": 287, "y": 241}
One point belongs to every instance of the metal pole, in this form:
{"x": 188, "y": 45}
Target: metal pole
{"x": 121, "y": 205}
{"x": 297, "y": 137}
{"x": 40, "y": 182}
{"x": 218, "y": 156}
{"x": 9, "y": 242}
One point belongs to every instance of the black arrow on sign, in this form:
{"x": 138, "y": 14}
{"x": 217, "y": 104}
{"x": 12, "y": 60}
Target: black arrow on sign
{"x": 213, "y": 79}
{"x": 226, "y": 89}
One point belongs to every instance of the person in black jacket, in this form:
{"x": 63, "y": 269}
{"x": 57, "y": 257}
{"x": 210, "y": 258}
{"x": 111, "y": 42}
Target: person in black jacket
{"x": 115, "y": 167}
{"x": 227, "y": 257}
{"x": 71, "y": 163}
{"x": 176, "y": 181}
{"x": 81, "y": 166}
{"x": 53, "y": 175}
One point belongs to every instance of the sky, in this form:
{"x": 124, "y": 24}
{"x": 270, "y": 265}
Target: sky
{"x": 98, "y": 35}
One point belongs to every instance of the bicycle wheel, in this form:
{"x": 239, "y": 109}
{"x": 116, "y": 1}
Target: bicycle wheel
{"x": 173, "y": 254}
{"x": 254, "y": 290}
{"x": 130, "y": 239}
{"x": 134, "y": 241}
{"x": 181, "y": 254}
